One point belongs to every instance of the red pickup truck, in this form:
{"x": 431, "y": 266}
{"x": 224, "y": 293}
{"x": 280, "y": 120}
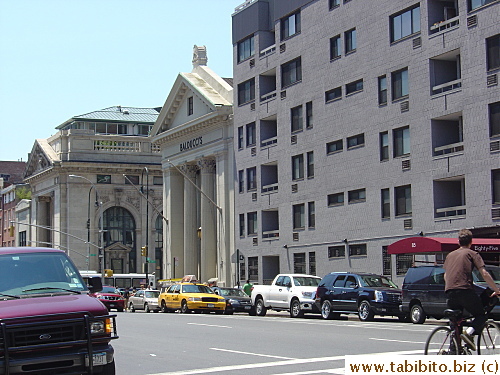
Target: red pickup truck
{"x": 48, "y": 322}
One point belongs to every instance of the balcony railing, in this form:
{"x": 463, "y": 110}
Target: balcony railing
{"x": 268, "y": 96}
{"x": 449, "y": 149}
{"x": 269, "y": 142}
{"x": 450, "y": 211}
{"x": 271, "y": 234}
{"x": 270, "y": 188}
{"x": 443, "y": 25}
{"x": 448, "y": 86}
{"x": 268, "y": 51}
{"x": 116, "y": 146}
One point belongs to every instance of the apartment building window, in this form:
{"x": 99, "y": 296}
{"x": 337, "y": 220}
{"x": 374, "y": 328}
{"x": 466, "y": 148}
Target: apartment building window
{"x": 103, "y": 179}
{"x": 336, "y": 199}
{"x": 309, "y": 115}
{"x": 252, "y": 179}
{"x": 240, "y": 137}
{"x": 403, "y": 200}
{"x": 290, "y": 25}
{"x": 143, "y": 129}
{"x": 493, "y": 52}
{"x": 357, "y": 250}
{"x": 310, "y": 164}
{"x": 246, "y": 91}
{"x": 190, "y": 106}
{"x": 336, "y": 251}
{"x": 335, "y": 146}
{"x": 311, "y": 214}
{"x": 312, "y": 263}
{"x": 242, "y": 225}
{"x": 253, "y": 268}
{"x": 386, "y": 262}
{"x": 353, "y": 87}
{"x": 299, "y": 263}
{"x": 401, "y": 141}
{"x": 251, "y": 134}
{"x": 333, "y": 4}
{"x": 298, "y": 167}
{"x": 333, "y": 94}
{"x": 405, "y": 23}
{"x": 385, "y": 199}
{"x": 299, "y": 220}
{"x": 400, "y": 87}
{"x": 22, "y": 238}
{"x": 291, "y": 72}
{"x": 382, "y": 90}
{"x": 473, "y": 4}
{"x": 355, "y": 141}
{"x": 355, "y": 196}
{"x": 350, "y": 41}
{"x": 296, "y": 117}
{"x": 494, "y": 109}
{"x": 384, "y": 146}
{"x": 252, "y": 223}
{"x": 495, "y": 182}
{"x": 246, "y": 49}
{"x": 403, "y": 262}
{"x": 241, "y": 181}
{"x": 335, "y": 47}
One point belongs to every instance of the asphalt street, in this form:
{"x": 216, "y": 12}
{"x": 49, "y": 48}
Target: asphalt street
{"x": 173, "y": 343}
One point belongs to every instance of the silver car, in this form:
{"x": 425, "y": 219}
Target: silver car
{"x": 146, "y": 300}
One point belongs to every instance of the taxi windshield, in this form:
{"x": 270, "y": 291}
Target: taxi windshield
{"x": 194, "y": 288}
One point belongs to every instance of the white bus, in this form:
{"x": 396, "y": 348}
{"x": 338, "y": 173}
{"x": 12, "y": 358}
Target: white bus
{"x": 123, "y": 280}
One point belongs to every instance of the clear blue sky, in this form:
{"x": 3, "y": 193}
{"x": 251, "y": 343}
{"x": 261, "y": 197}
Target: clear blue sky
{"x": 61, "y": 58}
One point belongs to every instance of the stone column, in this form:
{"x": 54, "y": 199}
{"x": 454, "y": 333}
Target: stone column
{"x": 208, "y": 220}
{"x": 191, "y": 260}
{"x": 42, "y": 218}
{"x": 173, "y": 233}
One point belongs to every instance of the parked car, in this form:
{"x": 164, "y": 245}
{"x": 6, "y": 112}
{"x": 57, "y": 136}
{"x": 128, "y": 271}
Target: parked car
{"x": 110, "y": 297}
{"x": 50, "y": 325}
{"x": 146, "y": 300}
{"x": 236, "y": 300}
{"x": 424, "y": 296}
{"x": 363, "y": 293}
{"x": 188, "y": 297}
{"x": 287, "y": 292}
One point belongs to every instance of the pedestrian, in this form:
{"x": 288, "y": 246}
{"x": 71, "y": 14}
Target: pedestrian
{"x": 126, "y": 295}
{"x": 247, "y": 288}
{"x": 459, "y": 284}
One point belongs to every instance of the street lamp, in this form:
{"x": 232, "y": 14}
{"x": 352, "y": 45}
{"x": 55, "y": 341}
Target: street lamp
{"x": 145, "y": 169}
{"x": 97, "y": 204}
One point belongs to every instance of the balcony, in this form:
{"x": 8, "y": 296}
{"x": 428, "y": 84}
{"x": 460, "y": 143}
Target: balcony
{"x": 267, "y": 85}
{"x": 444, "y": 25}
{"x": 448, "y": 86}
{"x": 443, "y": 15}
{"x": 269, "y": 178}
{"x": 446, "y": 72}
{"x": 270, "y": 225}
{"x": 271, "y": 235}
{"x": 269, "y": 131}
{"x": 268, "y": 51}
{"x": 447, "y": 137}
{"x": 450, "y": 212}
{"x": 449, "y": 198}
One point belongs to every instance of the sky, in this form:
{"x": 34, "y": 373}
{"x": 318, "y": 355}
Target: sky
{"x": 63, "y": 58}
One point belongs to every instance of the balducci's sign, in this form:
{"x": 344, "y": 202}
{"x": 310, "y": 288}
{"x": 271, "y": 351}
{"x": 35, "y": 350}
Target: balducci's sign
{"x": 193, "y": 143}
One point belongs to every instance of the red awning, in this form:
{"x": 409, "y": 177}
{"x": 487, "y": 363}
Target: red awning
{"x": 436, "y": 245}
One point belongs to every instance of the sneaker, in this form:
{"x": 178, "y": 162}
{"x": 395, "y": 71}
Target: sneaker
{"x": 469, "y": 340}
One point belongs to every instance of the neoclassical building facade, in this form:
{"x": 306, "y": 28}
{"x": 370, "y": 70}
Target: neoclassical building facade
{"x": 194, "y": 133}
{"x": 89, "y": 186}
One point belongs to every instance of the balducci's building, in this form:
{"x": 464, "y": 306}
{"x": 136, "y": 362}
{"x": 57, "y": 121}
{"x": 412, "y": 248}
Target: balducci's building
{"x": 107, "y": 152}
{"x": 194, "y": 131}
{"x": 359, "y": 123}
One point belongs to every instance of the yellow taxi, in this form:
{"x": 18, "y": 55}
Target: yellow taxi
{"x": 190, "y": 296}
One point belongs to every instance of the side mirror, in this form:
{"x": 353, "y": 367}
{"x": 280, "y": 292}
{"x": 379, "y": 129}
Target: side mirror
{"x": 95, "y": 284}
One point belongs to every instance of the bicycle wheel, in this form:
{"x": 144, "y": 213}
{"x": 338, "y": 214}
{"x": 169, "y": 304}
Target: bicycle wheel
{"x": 441, "y": 341}
{"x": 488, "y": 342}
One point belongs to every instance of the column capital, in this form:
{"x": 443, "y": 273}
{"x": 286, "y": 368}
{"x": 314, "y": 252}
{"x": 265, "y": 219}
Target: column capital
{"x": 189, "y": 170}
{"x": 207, "y": 165}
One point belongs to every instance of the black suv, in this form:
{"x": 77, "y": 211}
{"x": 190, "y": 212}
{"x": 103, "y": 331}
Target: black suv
{"x": 363, "y": 293}
{"x": 424, "y": 296}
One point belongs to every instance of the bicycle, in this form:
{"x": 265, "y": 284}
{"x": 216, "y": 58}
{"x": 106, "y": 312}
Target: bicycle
{"x": 447, "y": 340}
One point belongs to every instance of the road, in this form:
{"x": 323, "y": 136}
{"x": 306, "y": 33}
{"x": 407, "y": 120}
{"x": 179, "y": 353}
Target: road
{"x": 168, "y": 344}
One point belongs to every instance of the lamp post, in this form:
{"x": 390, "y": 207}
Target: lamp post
{"x": 146, "y": 252}
{"x": 97, "y": 204}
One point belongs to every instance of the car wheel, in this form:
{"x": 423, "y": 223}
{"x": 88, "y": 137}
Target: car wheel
{"x": 295, "y": 310}
{"x": 326, "y": 310}
{"x": 184, "y": 307}
{"x": 108, "y": 369}
{"x": 131, "y": 307}
{"x": 417, "y": 314}
{"x": 260, "y": 309}
{"x": 164, "y": 308}
{"x": 146, "y": 308}
{"x": 365, "y": 311}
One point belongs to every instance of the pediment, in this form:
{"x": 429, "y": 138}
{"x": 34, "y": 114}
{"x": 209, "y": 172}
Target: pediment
{"x": 38, "y": 160}
{"x": 117, "y": 246}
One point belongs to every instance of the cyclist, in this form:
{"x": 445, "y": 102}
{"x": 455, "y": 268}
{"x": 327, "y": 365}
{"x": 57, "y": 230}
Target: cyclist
{"x": 459, "y": 285}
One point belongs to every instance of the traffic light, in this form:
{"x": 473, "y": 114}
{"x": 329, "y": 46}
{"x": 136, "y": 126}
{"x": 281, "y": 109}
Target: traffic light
{"x": 108, "y": 273}
{"x": 144, "y": 251}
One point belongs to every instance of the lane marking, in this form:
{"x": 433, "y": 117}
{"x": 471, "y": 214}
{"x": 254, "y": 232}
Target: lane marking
{"x": 337, "y": 371}
{"x": 209, "y": 325}
{"x": 408, "y": 342}
{"x": 248, "y": 353}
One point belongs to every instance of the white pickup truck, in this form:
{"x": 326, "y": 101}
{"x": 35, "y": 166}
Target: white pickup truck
{"x": 291, "y": 292}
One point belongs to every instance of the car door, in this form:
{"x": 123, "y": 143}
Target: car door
{"x": 282, "y": 293}
{"x": 137, "y": 299}
{"x": 172, "y": 298}
{"x": 275, "y": 291}
{"x": 349, "y": 296}
{"x": 436, "y": 301}
{"x": 336, "y": 292}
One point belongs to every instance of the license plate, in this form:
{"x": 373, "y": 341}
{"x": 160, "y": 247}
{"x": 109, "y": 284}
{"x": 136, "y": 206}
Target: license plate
{"x": 98, "y": 359}
{"x": 248, "y": 307}
{"x": 210, "y": 305}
